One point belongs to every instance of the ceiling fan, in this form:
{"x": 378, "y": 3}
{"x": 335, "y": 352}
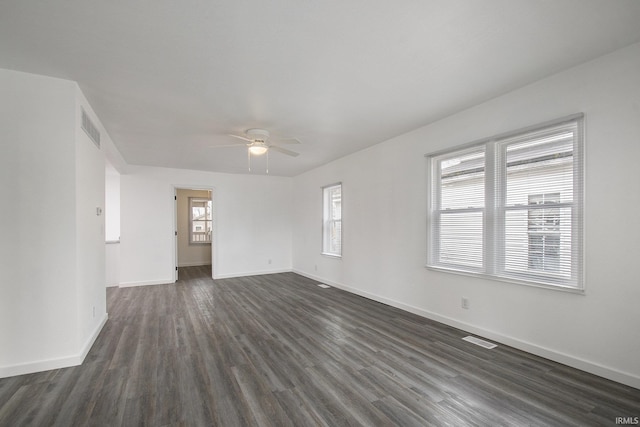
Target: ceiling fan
{"x": 258, "y": 143}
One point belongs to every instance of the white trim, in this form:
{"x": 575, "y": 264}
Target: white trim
{"x": 194, "y": 263}
{"x": 252, "y": 273}
{"x": 326, "y": 209}
{"x": 495, "y": 208}
{"x": 49, "y": 364}
{"x": 39, "y": 366}
{"x": 330, "y": 255}
{"x": 556, "y": 356}
{"x": 147, "y": 283}
{"x": 174, "y": 212}
{"x": 214, "y": 226}
{"x": 509, "y": 134}
{"x": 190, "y": 200}
{"x": 507, "y": 279}
{"x": 92, "y": 338}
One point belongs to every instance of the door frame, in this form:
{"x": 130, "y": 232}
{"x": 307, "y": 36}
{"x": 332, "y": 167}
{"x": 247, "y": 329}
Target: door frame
{"x": 214, "y": 226}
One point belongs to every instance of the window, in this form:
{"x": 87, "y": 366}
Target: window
{"x": 199, "y": 220}
{"x": 510, "y": 207}
{"x": 544, "y": 233}
{"x": 332, "y": 220}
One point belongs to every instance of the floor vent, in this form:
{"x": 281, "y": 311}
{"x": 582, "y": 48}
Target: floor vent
{"x": 322, "y": 285}
{"x": 90, "y": 129}
{"x": 481, "y": 343}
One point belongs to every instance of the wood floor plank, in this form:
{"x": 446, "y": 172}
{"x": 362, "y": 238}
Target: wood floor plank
{"x": 298, "y": 410}
{"x": 262, "y": 403}
{"x": 399, "y": 414}
{"x": 278, "y": 350}
{"x": 352, "y": 403}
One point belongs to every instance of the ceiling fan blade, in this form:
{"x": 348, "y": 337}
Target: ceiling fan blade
{"x": 241, "y": 137}
{"x": 225, "y": 145}
{"x": 287, "y": 140}
{"x": 284, "y": 151}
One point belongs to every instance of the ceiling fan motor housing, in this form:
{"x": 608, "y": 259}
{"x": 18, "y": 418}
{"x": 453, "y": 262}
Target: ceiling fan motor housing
{"x": 257, "y": 135}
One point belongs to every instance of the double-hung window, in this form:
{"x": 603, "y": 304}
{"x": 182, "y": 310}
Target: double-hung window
{"x": 200, "y": 220}
{"x": 332, "y": 220}
{"x": 510, "y": 207}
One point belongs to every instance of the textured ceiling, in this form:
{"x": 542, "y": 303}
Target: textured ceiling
{"x": 171, "y": 79}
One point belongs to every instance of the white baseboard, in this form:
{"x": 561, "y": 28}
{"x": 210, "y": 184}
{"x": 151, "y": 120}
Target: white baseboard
{"x": 193, "y": 264}
{"x": 566, "y": 359}
{"x": 92, "y": 338}
{"x": 252, "y": 273}
{"x": 215, "y": 276}
{"x": 58, "y": 363}
{"x": 146, "y": 283}
{"x": 39, "y": 366}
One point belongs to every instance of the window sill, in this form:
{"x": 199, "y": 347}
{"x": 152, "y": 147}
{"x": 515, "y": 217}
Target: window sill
{"x": 560, "y": 288}
{"x": 331, "y": 255}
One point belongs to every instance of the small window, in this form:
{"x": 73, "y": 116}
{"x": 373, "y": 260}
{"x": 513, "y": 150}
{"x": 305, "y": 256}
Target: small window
{"x": 200, "y": 222}
{"x": 332, "y": 220}
{"x": 510, "y": 207}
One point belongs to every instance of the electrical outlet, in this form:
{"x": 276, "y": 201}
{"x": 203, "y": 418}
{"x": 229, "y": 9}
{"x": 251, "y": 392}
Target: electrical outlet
{"x": 269, "y": 262}
{"x": 316, "y": 267}
{"x": 465, "y": 303}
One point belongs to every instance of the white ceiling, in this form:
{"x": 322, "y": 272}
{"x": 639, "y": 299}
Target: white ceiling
{"x": 169, "y": 79}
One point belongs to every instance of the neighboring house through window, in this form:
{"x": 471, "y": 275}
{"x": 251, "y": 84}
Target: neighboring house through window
{"x": 510, "y": 207}
{"x": 544, "y": 233}
{"x": 200, "y": 220}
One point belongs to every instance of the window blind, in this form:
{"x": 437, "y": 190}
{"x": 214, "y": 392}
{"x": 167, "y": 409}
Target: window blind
{"x": 511, "y": 206}
{"x": 332, "y": 220}
{"x": 539, "y": 209}
{"x": 460, "y": 210}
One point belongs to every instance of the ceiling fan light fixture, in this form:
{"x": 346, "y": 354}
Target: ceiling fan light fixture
{"x": 258, "y": 150}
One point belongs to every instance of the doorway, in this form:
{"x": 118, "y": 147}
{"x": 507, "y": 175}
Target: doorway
{"x": 194, "y": 228}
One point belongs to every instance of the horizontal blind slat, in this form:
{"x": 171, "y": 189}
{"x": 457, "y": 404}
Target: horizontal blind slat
{"x": 532, "y": 211}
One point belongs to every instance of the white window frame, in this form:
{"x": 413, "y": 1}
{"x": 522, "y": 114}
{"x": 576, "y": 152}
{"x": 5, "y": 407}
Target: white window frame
{"x": 549, "y": 229}
{"x": 494, "y": 210}
{"x": 330, "y": 221}
{"x": 192, "y": 241}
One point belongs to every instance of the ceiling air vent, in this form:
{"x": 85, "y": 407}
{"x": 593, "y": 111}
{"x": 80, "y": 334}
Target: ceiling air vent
{"x": 90, "y": 129}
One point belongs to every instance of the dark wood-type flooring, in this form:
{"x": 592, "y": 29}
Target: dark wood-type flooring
{"x": 277, "y": 350}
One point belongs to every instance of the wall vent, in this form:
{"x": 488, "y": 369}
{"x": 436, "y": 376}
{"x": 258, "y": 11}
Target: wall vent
{"x": 481, "y": 343}
{"x": 90, "y": 129}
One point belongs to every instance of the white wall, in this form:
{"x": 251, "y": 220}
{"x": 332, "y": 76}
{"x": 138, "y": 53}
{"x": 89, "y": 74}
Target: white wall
{"x": 251, "y": 214}
{"x": 52, "y": 246}
{"x": 90, "y": 228}
{"x": 190, "y": 254}
{"x": 47, "y": 300}
{"x": 112, "y": 264}
{"x": 38, "y": 219}
{"x": 112, "y": 225}
{"x": 112, "y": 203}
{"x": 384, "y": 224}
